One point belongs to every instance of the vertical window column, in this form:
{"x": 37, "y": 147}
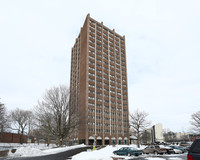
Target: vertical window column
{"x": 122, "y": 127}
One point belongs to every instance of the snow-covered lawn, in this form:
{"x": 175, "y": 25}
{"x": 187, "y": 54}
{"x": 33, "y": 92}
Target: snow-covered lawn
{"x": 39, "y": 150}
{"x": 5, "y": 146}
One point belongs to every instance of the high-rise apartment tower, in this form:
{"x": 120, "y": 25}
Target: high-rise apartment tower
{"x": 98, "y": 85}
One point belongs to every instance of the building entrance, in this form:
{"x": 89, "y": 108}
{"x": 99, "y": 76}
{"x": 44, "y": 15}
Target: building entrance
{"x": 99, "y": 142}
{"x": 91, "y": 142}
{"x": 107, "y": 142}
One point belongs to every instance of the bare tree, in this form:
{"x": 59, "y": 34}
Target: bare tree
{"x": 169, "y": 136}
{"x": 20, "y": 119}
{"x": 31, "y": 122}
{"x": 4, "y": 124}
{"x": 139, "y": 123}
{"x": 146, "y": 137}
{"x": 52, "y": 113}
{"x": 195, "y": 122}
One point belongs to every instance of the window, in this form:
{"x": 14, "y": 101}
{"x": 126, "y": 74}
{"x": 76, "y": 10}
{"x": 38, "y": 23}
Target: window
{"x": 112, "y": 71}
{"x": 92, "y": 26}
{"x": 112, "y": 92}
{"x": 99, "y": 54}
{"x": 106, "y": 89}
{"x": 91, "y": 57}
{"x": 105, "y": 53}
{"x": 98, "y": 71}
{"x": 105, "y": 58}
{"x": 105, "y": 48}
{"x": 112, "y": 86}
{"x": 99, "y": 36}
{"x": 105, "y": 43}
{"x": 98, "y": 40}
{"x": 98, "y": 76}
{"x": 99, "y": 93}
{"x": 91, "y": 98}
{"x": 90, "y": 110}
{"x": 99, "y": 82}
{"x": 100, "y": 100}
{"x": 91, "y": 79}
{"x": 99, "y": 105}
{"x": 91, "y": 36}
{"x": 91, "y": 31}
{"x": 106, "y": 68}
{"x": 98, "y": 60}
{"x": 91, "y": 46}
{"x": 91, "y": 41}
{"x": 112, "y": 81}
{"x": 90, "y": 91}
{"x": 111, "y": 46}
{"x": 91, "y": 51}
{"x": 91, "y": 104}
{"x": 106, "y": 73}
{"x": 98, "y": 31}
{"x": 97, "y": 87}
{"x": 91, "y": 74}
{"x": 91, "y": 68}
{"x": 91, "y": 85}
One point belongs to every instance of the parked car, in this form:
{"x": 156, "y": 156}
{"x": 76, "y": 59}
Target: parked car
{"x": 169, "y": 150}
{"x": 179, "y": 148}
{"x": 177, "y": 151}
{"x": 194, "y": 151}
{"x": 156, "y": 149}
{"x": 128, "y": 151}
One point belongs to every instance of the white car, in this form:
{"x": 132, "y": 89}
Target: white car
{"x": 177, "y": 151}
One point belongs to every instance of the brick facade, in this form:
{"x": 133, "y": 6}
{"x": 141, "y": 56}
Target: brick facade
{"x": 11, "y": 138}
{"x": 98, "y": 85}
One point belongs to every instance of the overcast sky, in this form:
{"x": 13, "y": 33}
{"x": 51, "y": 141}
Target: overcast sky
{"x": 162, "y": 46}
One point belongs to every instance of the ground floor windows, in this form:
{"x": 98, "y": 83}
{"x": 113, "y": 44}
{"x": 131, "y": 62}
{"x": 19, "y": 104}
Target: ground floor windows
{"x": 100, "y": 141}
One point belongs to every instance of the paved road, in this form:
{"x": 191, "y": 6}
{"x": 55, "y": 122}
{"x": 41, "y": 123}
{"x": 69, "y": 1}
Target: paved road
{"x": 59, "y": 156}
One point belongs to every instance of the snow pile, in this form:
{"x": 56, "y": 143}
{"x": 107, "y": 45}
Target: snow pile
{"x": 102, "y": 154}
{"x": 31, "y": 151}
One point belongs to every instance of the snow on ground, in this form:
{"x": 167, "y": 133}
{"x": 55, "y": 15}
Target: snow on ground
{"x": 106, "y": 153}
{"x": 102, "y": 154}
{"x": 32, "y": 151}
{"x": 6, "y": 146}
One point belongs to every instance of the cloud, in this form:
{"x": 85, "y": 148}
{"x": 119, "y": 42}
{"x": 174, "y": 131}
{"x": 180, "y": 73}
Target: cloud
{"x": 162, "y": 44}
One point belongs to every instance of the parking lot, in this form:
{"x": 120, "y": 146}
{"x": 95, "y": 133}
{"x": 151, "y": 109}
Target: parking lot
{"x": 161, "y": 157}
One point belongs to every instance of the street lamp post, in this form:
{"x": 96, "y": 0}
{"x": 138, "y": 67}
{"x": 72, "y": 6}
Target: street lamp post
{"x": 94, "y": 141}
